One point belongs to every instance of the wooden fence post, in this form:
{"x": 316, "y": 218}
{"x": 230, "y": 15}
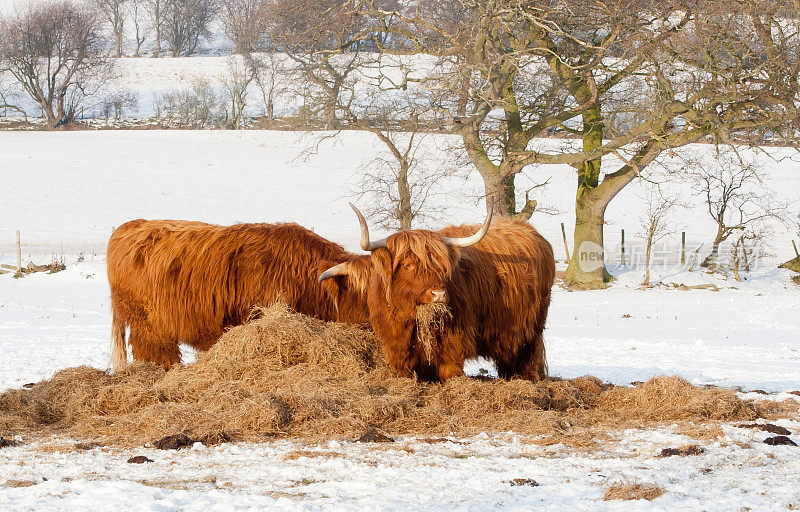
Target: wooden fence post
{"x": 683, "y": 248}
{"x": 19, "y": 254}
{"x": 564, "y": 236}
{"x": 622, "y": 244}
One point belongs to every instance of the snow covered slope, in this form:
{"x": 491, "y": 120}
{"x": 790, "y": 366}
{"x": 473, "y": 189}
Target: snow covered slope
{"x": 67, "y": 191}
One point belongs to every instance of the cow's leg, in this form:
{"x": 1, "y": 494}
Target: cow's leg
{"x": 453, "y": 351}
{"x": 148, "y": 345}
{"x": 205, "y": 340}
{"x": 401, "y": 361}
{"x": 119, "y": 351}
{"x": 528, "y": 363}
{"x": 535, "y": 368}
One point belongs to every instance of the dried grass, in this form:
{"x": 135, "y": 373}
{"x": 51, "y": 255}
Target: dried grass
{"x": 633, "y": 490}
{"x": 287, "y": 375}
{"x": 431, "y": 319}
{"x": 312, "y": 454}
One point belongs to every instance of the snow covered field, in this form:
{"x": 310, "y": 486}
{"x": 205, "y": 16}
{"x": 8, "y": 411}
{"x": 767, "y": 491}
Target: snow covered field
{"x": 66, "y": 191}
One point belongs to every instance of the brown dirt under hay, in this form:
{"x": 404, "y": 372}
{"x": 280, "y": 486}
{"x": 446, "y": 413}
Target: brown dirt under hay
{"x": 287, "y": 375}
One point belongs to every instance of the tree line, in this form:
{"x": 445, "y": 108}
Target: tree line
{"x": 621, "y": 84}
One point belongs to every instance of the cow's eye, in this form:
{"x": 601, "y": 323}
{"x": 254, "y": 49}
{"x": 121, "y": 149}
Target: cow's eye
{"x": 408, "y": 265}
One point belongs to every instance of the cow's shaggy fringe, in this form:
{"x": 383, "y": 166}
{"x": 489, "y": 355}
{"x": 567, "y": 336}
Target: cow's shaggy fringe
{"x": 431, "y": 319}
{"x": 285, "y": 374}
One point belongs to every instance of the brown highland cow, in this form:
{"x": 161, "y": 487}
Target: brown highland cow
{"x": 180, "y": 281}
{"x": 495, "y": 282}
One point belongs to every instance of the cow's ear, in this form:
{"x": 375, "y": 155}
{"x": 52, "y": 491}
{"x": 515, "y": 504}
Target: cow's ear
{"x": 328, "y": 270}
{"x": 356, "y": 271}
{"x": 382, "y": 264}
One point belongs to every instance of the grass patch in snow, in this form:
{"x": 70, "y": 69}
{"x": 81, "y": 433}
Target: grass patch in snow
{"x": 312, "y": 454}
{"x": 633, "y": 490}
{"x": 290, "y": 376}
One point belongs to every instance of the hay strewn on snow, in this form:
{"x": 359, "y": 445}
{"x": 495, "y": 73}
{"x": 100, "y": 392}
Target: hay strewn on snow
{"x": 285, "y": 374}
{"x": 633, "y": 490}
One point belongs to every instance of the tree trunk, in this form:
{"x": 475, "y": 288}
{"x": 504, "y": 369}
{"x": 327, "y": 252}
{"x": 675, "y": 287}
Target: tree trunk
{"x": 406, "y": 214}
{"x": 118, "y": 35}
{"x": 52, "y": 119}
{"x": 158, "y": 33}
{"x": 501, "y": 189}
{"x": 587, "y": 267}
{"x": 711, "y": 259}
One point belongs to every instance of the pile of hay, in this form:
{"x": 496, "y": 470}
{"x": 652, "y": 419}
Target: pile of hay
{"x": 286, "y": 374}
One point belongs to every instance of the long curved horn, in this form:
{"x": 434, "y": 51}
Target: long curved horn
{"x": 365, "y": 243}
{"x": 337, "y": 270}
{"x": 474, "y": 239}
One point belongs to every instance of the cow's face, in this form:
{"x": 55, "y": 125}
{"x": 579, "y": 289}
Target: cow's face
{"x": 413, "y": 269}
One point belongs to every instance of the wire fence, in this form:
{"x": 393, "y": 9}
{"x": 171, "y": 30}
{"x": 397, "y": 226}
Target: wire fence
{"x": 47, "y": 252}
{"x": 670, "y": 251}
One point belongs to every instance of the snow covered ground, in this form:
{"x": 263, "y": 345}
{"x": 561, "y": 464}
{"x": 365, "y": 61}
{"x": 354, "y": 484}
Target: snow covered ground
{"x": 738, "y": 474}
{"x": 66, "y": 191}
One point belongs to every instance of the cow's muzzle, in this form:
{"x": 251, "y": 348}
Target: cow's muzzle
{"x": 434, "y": 296}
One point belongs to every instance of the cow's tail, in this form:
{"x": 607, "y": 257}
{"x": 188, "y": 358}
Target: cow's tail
{"x": 119, "y": 352}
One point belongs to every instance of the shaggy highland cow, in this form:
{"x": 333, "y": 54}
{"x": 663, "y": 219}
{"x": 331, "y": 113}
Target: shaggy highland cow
{"x": 495, "y": 283}
{"x": 179, "y": 281}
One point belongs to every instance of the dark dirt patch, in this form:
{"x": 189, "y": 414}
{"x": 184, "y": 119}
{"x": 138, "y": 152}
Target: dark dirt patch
{"x": 779, "y": 441}
{"x": 374, "y": 437}
{"x": 139, "y": 459}
{"x": 523, "y": 481}
{"x": 7, "y": 442}
{"x": 766, "y": 427}
{"x": 683, "y": 451}
{"x": 174, "y": 442}
{"x": 87, "y": 446}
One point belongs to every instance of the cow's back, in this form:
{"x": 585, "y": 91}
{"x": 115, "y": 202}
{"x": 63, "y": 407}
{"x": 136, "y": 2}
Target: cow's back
{"x": 192, "y": 279}
{"x": 502, "y": 284}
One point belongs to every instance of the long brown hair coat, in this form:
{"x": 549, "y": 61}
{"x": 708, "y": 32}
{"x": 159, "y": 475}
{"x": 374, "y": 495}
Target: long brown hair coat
{"x": 498, "y": 292}
{"x": 178, "y": 282}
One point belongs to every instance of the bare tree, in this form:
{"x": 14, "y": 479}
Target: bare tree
{"x": 236, "y": 81}
{"x": 196, "y": 107}
{"x": 656, "y": 223}
{"x": 53, "y": 51}
{"x": 138, "y": 12}
{"x": 185, "y": 22}
{"x": 156, "y": 10}
{"x": 736, "y": 200}
{"x": 399, "y": 182}
{"x": 113, "y": 12}
{"x": 9, "y": 99}
{"x": 267, "y": 68}
{"x": 244, "y": 22}
{"x": 314, "y": 33}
